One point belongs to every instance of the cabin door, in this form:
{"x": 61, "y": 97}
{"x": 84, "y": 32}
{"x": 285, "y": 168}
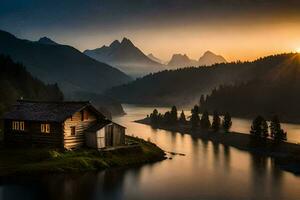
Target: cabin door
{"x": 101, "y": 138}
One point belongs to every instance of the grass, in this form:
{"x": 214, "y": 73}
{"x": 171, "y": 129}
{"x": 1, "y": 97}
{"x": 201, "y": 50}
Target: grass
{"x": 36, "y": 161}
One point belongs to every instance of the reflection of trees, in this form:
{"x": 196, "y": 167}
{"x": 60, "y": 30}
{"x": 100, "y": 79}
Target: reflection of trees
{"x": 266, "y": 179}
{"x": 226, "y": 150}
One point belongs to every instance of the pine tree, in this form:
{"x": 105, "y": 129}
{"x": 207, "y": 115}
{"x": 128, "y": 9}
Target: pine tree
{"x": 173, "y": 117}
{"x": 195, "y": 117}
{"x": 154, "y": 117}
{"x": 277, "y": 133}
{"x": 216, "y": 122}
{"x": 167, "y": 118}
{"x": 259, "y": 127}
{"x": 182, "y": 118}
{"x": 264, "y": 129}
{"x": 227, "y": 123}
{"x": 256, "y": 126}
{"x": 204, "y": 122}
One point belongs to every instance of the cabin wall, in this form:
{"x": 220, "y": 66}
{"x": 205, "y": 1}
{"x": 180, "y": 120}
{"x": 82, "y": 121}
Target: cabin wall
{"x": 115, "y": 135}
{"x": 77, "y": 140}
{"x": 32, "y": 135}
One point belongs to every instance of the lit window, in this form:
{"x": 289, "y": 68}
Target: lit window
{"x": 45, "y": 128}
{"x": 18, "y": 126}
{"x": 21, "y": 126}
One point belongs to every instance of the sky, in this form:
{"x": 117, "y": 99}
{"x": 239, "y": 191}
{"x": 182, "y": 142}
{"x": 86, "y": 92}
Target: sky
{"x": 236, "y": 29}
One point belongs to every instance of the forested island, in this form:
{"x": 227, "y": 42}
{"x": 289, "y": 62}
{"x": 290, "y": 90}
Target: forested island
{"x": 267, "y": 139}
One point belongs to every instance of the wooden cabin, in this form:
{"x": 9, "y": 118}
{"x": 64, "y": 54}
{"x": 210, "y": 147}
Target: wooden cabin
{"x": 60, "y": 124}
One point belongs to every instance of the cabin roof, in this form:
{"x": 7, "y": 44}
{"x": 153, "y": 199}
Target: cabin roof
{"x": 55, "y": 111}
{"x": 101, "y": 124}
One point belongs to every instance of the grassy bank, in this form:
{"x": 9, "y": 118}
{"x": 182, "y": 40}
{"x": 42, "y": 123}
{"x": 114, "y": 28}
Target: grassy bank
{"x": 36, "y": 161}
{"x": 286, "y": 155}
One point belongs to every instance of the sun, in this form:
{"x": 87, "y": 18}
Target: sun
{"x": 297, "y": 50}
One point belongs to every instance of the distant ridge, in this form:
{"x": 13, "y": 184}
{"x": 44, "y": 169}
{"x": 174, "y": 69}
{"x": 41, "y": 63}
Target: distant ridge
{"x": 46, "y": 40}
{"x": 61, "y": 64}
{"x": 207, "y": 59}
{"x": 152, "y": 57}
{"x": 125, "y": 56}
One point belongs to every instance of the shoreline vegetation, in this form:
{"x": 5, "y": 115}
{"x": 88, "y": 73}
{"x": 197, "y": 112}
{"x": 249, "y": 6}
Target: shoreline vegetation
{"x": 259, "y": 141}
{"x": 14, "y": 162}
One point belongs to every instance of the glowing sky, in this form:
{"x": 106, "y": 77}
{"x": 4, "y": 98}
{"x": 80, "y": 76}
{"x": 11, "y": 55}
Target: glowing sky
{"x": 236, "y": 29}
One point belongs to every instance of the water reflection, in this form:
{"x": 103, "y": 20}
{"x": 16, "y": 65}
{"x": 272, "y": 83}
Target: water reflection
{"x": 207, "y": 171}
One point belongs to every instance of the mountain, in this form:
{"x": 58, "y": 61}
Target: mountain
{"x": 185, "y": 85}
{"x": 207, "y": 59}
{"x": 180, "y": 60}
{"x": 125, "y": 56}
{"x": 152, "y": 57}
{"x": 46, "y": 40}
{"x": 62, "y": 64}
{"x": 273, "y": 93}
{"x": 16, "y": 82}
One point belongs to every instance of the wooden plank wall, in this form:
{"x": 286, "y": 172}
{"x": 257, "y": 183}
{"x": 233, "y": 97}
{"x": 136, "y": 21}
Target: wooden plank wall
{"x": 78, "y": 139}
{"x": 32, "y": 135}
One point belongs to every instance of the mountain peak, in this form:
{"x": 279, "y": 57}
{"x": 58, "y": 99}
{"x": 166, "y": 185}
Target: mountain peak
{"x": 126, "y": 42}
{"x": 114, "y": 44}
{"x": 210, "y": 58}
{"x": 46, "y": 40}
{"x": 208, "y": 53}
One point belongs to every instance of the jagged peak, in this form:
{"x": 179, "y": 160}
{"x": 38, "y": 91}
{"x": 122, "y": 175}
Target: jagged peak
{"x": 46, "y": 40}
{"x": 126, "y": 41}
{"x": 114, "y": 44}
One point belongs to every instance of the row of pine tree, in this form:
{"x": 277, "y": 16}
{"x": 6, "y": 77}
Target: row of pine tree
{"x": 259, "y": 128}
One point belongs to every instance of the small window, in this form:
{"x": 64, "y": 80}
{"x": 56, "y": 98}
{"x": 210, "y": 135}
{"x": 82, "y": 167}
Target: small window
{"x": 21, "y": 126}
{"x": 73, "y": 130}
{"x": 18, "y": 126}
{"x": 45, "y": 128}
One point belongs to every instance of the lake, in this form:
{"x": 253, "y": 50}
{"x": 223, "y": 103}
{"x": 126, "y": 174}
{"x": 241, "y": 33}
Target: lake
{"x": 207, "y": 171}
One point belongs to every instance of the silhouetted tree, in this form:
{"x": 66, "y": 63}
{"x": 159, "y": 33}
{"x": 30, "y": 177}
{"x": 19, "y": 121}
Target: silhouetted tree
{"x": 259, "y": 127}
{"x": 256, "y": 126}
{"x": 182, "y": 118}
{"x": 173, "y": 117}
{"x": 216, "y": 122}
{"x": 167, "y": 118}
{"x": 277, "y": 133}
{"x": 264, "y": 128}
{"x": 227, "y": 123}
{"x": 204, "y": 122}
{"x": 195, "y": 117}
{"x": 154, "y": 117}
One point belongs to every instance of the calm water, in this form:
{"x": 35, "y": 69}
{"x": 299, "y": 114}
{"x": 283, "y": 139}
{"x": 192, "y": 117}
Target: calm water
{"x": 208, "y": 171}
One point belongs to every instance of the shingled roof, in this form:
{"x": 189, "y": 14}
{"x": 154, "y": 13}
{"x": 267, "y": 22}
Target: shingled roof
{"x": 46, "y": 110}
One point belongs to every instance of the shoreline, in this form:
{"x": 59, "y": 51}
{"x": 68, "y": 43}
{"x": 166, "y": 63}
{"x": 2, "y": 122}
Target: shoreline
{"x": 39, "y": 161}
{"x": 285, "y": 154}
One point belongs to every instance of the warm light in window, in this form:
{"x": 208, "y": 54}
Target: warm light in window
{"x": 45, "y": 128}
{"x": 18, "y": 126}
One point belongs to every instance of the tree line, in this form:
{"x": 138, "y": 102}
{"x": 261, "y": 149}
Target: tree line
{"x": 16, "y": 82}
{"x": 195, "y": 121}
{"x": 261, "y": 129}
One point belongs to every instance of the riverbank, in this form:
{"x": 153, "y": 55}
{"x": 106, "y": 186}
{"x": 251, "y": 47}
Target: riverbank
{"x": 41, "y": 161}
{"x": 286, "y": 155}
